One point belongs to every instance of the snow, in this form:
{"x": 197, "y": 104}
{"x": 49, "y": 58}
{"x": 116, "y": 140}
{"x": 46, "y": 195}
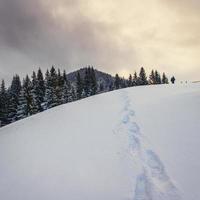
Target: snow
{"x": 139, "y": 143}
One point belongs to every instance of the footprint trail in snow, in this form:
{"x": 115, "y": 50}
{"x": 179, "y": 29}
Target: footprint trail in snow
{"x": 153, "y": 182}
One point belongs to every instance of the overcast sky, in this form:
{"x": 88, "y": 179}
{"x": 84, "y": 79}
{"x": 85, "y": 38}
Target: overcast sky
{"x": 112, "y": 35}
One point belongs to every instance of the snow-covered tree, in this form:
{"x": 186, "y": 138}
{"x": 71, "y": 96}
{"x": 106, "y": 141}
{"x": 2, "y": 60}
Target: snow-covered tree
{"x": 117, "y": 81}
{"x": 3, "y": 104}
{"x": 35, "y": 102}
{"x": 13, "y": 93}
{"x": 157, "y": 78}
{"x": 130, "y": 81}
{"x": 142, "y": 77}
{"x": 79, "y": 86}
{"x": 135, "y": 79}
{"x": 40, "y": 89}
{"x": 164, "y": 79}
{"x": 51, "y": 99}
{"x": 93, "y": 82}
{"x": 25, "y": 106}
{"x": 22, "y": 109}
{"x": 152, "y": 79}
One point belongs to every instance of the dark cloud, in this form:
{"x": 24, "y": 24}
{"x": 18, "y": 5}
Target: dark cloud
{"x": 31, "y": 29}
{"x": 113, "y": 36}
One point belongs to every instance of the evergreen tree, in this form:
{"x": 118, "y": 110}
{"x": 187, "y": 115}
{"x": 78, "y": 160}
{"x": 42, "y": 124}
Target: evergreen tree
{"x": 65, "y": 80}
{"x": 87, "y": 82}
{"x": 157, "y": 78}
{"x": 48, "y": 94}
{"x": 111, "y": 86}
{"x": 51, "y": 86}
{"x": 35, "y": 102}
{"x": 68, "y": 95}
{"x": 13, "y": 93}
{"x": 142, "y": 77}
{"x": 27, "y": 87}
{"x": 40, "y": 89}
{"x": 59, "y": 88}
{"x": 164, "y": 79}
{"x": 135, "y": 79}
{"x": 117, "y": 81}
{"x": 22, "y": 110}
{"x": 79, "y": 86}
{"x": 65, "y": 88}
{"x": 101, "y": 87}
{"x": 25, "y": 106}
{"x": 72, "y": 93}
{"x": 130, "y": 81}
{"x": 123, "y": 83}
{"x": 3, "y": 104}
{"x": 152, "y": 79}
{"x": 93, "y": 82}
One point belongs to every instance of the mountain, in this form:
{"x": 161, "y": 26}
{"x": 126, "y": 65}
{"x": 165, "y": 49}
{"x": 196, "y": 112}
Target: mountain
{"x": 103, "y": 79}
{"x": 137, "y": 143}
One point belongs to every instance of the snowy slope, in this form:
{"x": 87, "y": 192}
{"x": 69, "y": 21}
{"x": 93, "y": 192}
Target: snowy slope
{"x": 138, "y": 143}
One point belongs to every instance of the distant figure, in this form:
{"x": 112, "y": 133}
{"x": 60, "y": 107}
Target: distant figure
{"x": 173, "y": 79}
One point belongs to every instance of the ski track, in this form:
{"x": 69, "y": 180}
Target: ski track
{"x": 152, "y": 182}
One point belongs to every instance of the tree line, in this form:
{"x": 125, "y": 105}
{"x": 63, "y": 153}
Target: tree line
{"x": 141, "y": 79}
{"x": 40, "y": 92}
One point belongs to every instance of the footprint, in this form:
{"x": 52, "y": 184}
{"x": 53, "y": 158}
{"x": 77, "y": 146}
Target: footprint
{"x": 156, "y": 166}
{"x": 134, "y": 143}
{"x": 142, "y": 190}
{"x": 125, "y": 119}
{"x": 165, "y": 189}
{"x": 132, "y": 113}
{"x": 133, "y": 127}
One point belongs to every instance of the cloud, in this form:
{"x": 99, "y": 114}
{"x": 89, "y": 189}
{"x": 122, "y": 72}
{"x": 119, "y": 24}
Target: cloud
{"x": 114, "y": 36}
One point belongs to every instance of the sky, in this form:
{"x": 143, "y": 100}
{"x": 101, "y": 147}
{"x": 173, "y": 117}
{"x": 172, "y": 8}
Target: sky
{"x": 114, "y": 36}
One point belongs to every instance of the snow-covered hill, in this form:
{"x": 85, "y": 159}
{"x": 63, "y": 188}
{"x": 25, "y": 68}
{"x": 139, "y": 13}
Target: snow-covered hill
{"x": 140, "y": 143}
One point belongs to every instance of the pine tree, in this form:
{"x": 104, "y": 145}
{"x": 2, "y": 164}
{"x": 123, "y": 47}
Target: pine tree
{"x": 48, "y": 94}
{"x": 25, "y": 107}
{"x": 101, "y": 87}
{"x": 164, "y": 79}
{"x": 68, "y": 95}
{"x": 59, "y": 88}
{"x": 3, "y": 105}
{"x": 135, "y": 79}
{"x": 111, "y": 86}
{"x": 28, "y": 101}
{"x": 40, "y": 89}
{"x": 35, "y": 102}
{"x": 87, "y": 83}
{"x": 130, "y": 81}
{"x": 13, "y": 93}
{"x": 93, "y": 82}
{"x": 157, "y": 78}
{"x": 51, "y": 86}
{"x": 152, "y": 79}
{"x": 27, "y": 87}
{"x": 117, "y": 81}
{"x": 142, "y": 77}
{"x": 123, "y": 83}
{"x": 79, "y": 86}
{"x": 65, "y": 88}
{"x": 73, "y": 94}
{"x": 22, "y": 110}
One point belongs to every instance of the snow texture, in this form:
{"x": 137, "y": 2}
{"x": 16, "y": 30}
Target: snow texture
{"x": 139, "y": 143}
